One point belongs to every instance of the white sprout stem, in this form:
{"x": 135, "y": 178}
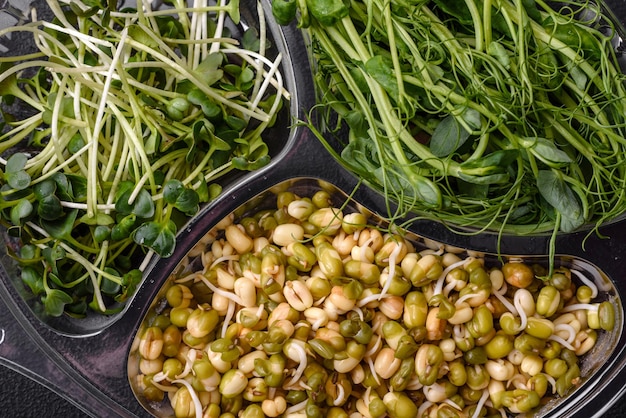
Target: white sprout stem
{"x": 392, "y": 270}
{"x": 505, "y": 301}
{"x": 233, "y": 297}
{"x": 359, "y": 312}
{"x": 377, "y": 345}
{"x": 579, "y": 307}
{"x": 221, "y": 17}
{"x": 481, "y": 403}
{"x": 423, "y": 408}
{"x": 341, "y": 395}
{"x": 92, "y": 178}
{"x": 230, "y": 313}
{"x": 270, "y": 76}
{"x": 251, "y": 56}
{"x": 78, "y": 37}
{"x": 442, "y": 277}
{"x": 370, "y": 363}
{"x": 194, "y": 396}
{"x": 146, "y": 260}
{"x": 520, "y": 310}
{"x": 295, "y": 408}
{"x": 262, "y": 45}
{"x": 56, "y": 112}
{"x": 190, "y": 357}
{"x": 232, "y": 257}
{"x": 77, "y": 257}
{"x": 465, "y": 297}
{"x": 552, "y": 381}
{"x": 164, "y": 388}
{"x": 453, "y": 404}
{"x": 571, "y": 332}
{"x": 376, "y": 297}
{"x": 301, "y": 365}
{"x": 562, "y": 342}
{"x": 110, "y": 164}
{"x": 585, "y": 280}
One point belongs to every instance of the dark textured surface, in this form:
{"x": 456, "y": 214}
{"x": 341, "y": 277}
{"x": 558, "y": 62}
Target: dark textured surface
{"x": 23, "y": 398}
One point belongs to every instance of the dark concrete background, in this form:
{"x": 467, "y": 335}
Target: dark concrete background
{"x": 20, "y": 397}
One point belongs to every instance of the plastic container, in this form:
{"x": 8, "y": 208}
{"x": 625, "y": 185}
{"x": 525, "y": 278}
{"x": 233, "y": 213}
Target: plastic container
{"x": 88, "y": 364}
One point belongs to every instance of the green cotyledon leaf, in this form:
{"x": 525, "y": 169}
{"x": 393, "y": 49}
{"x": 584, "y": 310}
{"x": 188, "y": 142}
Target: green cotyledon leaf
{"x": 54, "y": 302}
{"x": 159, "y": 237}
{"x": 327, "y": 12}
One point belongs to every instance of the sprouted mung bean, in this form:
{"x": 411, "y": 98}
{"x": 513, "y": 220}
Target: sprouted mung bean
{"x": 307, "y": 311}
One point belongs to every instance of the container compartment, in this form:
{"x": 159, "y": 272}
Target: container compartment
{"x": 87, "y": 362}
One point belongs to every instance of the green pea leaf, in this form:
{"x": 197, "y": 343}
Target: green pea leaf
{"x": 250, "y": 39}
{"x": 214, "y": 190}
{"x": 28, "y": 252}
{"x": 236, "y": 124}
{"x": 138, "y": 34}
{"x": 172, "y": 189}
{"x": 64, "y": 188}
{"x": 55, "y": 301}
{"x": 449, "y": 135}
{"x": 161, "y": 238}
{"x": 203, "y": 190}
{"x": 380, "y": 68}
{"x": 557, "y": 192}
{"x": 284, "y": 11}
{"x": 19, "y": 180}
{"x": 546, "y": 151}
{"x": 490, "y": 169}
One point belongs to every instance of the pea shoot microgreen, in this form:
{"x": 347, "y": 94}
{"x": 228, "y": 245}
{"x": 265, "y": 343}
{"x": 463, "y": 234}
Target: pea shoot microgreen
{"x": 497, "y": 115}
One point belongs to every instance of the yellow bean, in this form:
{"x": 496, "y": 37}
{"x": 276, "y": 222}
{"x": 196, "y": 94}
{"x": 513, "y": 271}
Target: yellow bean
{"x": 246, "y": 290}
{"x": 392, "y": 306}
{"x": 285, "y": 234}
{"x": 385, "y": 364}
{"x": 298, "y": 295}
{"x": 237, "y": 237}
{"x": 151, "y": 343}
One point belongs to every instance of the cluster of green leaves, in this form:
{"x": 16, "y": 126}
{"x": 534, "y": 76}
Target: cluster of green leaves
{"x": 116, "y": 132}
{"x": 501, "y": 115}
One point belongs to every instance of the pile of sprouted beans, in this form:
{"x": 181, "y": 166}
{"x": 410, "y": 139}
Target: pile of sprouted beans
{"x": 310, "y": 310}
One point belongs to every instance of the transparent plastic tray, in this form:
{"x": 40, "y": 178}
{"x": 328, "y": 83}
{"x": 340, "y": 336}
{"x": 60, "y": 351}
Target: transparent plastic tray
{"x": 88, "y": 363}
